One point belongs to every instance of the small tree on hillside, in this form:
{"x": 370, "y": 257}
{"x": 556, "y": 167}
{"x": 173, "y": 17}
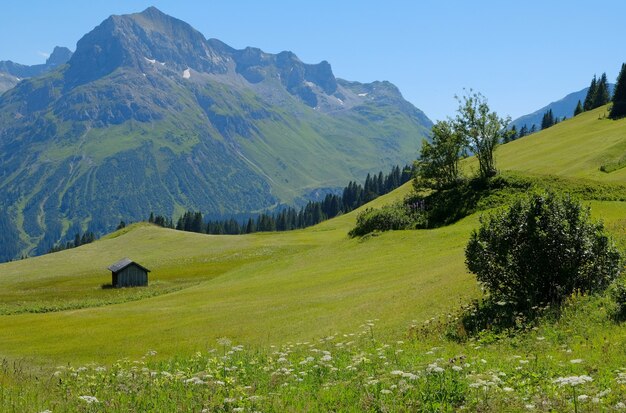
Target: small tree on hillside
{"x": 481, "y": 128}
{"x": 547, "y": 120}
{"x": 579, "y": 109}
{"x": 512, "y": 135}
{"x": 591, "y": 94}
{"x": 439, "y": 160}
{"x": 523, "y": 131}
{"x": 619, "y": 95}
{"x": 602, "y": 96}
{"x": 540, "y": 251}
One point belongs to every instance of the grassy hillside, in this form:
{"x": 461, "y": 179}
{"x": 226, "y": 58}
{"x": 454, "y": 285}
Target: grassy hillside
{"x": 274, "y": 287}
{"x": 263, "y": 288}
{"x": 358, "y": 324}
{"x": 575, "y": 148}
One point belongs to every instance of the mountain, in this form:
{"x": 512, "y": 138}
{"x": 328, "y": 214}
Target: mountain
{"x": 11, "y": 73}
{"x": 148, "y": 115}
{"x": 561, "y": 108}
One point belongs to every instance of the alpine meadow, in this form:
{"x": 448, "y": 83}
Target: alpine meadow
{"x": 486, "y": 275}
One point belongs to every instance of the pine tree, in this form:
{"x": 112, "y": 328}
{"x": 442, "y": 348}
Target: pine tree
{"x": 591, "y": 94}
{"x": 512, "y": 135}
{"x": 619, "y": 96}
{"x": 523, "y": 131}
{"x": 548, "y": 120}
{"x": 579, "y": 109}
{"x": 602, "y": 96}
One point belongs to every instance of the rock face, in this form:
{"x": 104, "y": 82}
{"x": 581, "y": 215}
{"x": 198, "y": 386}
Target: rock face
{"x": 148, "y": 115}
{"x": 59, "y": 56}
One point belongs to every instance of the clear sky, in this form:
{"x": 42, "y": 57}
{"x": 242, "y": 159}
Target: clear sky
{"x": 522, "y": 55}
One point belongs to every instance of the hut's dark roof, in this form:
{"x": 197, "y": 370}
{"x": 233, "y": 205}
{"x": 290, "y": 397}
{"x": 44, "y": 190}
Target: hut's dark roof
{"x": 123, "y": 263}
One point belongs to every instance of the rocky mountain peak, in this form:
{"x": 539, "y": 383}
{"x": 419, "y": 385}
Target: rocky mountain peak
{"x": 140, "y": 40}
{"x": 59, "y": 56}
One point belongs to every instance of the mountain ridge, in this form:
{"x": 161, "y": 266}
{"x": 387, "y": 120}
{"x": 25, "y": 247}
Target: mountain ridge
{"x": 12, "y": 73}
{"x": 139, "y": 121}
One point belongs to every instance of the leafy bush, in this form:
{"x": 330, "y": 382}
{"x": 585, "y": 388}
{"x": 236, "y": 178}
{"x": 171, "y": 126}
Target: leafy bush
{"x": 618, "y": 293}
{"x": 389, "y": 217}
{"x": 613, "y": 166}
{"x": 447, "y": 206}
{"x": 541, "y": 250}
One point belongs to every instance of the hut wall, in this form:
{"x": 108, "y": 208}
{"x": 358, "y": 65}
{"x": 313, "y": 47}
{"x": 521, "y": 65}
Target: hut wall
{"x": 132, "y": 276}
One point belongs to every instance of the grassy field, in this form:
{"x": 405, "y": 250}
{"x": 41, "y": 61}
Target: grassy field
{"x": 262, "y": 288}
{"x": 269, "y": 289}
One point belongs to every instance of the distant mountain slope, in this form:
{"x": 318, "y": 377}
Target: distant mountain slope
{"x": 561, "y": 108}
{"x": 148, "y": 115}
{"x": 11, "y": 73}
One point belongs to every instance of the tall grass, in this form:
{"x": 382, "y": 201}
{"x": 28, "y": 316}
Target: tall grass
{"x": 574, "y": 363}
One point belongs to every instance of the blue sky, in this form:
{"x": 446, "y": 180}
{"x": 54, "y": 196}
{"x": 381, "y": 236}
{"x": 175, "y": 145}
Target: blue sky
{"x": 521, "y": 55}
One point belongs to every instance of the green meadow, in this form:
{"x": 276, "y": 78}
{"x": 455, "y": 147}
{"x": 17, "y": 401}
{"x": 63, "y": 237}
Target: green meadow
{"x": 281, "y": 289}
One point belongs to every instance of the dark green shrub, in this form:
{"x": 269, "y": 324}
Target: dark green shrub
{"x": 387, "y": 218}
{"x": 541, "y": 250}
{"x": 618, "y": 293}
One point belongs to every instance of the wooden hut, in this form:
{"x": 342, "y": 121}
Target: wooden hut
{"x": 127, "y": 273}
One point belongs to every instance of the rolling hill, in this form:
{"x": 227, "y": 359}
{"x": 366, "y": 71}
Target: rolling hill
{"x": 270, "y": 288}
{"x": 149, "y": 115}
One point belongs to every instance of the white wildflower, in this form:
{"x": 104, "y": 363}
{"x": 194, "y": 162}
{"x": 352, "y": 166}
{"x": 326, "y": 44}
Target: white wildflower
{"x": 89, "y": 399}
{"x": 583, "y": 397}
{"x": 434, "y": 368}
{"x": 576, "y": 361}
{"x": 572, "y": 380}
{"x": 507, "y": 389}
{"x": 223, "y": 341}
{"x": 195, "y": 380}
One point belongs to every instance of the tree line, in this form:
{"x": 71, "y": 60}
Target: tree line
{"x": 598, "y": 95}
{"x": 353, "y": 196}
{"x": 87, "y": 238}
